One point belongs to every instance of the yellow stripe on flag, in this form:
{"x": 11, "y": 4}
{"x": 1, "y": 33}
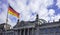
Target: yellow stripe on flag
{"x": 13, "y": 12}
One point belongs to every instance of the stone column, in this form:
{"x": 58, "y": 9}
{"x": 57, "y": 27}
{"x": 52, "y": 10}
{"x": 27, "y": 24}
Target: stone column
{"x": 16, "y": 32}
{"x": 13, "y": 33}
{"x": 20, "y": 32}
{"x": 37, "y": 31}
{"x": 24, "y": 32}
{"x": 28, "y": 31}
{"x": 32, "y": 31}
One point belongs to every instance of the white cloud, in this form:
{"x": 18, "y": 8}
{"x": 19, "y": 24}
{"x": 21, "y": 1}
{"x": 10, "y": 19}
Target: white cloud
{"x": 51, "y": 12}
{"x": 4, "y": 13}
{"x": 57, "y": 17}
{"x": 36, "y": 6}
{"x": 58, "y": 3}
{"x": 52, "y": 15}
{"x": 11, "y": 23}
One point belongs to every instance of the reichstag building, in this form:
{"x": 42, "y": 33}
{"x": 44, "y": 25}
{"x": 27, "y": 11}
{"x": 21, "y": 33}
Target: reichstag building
{"x": 37, "y": 27}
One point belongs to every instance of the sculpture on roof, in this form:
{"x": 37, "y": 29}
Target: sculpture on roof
{"x": 40, "y": 21}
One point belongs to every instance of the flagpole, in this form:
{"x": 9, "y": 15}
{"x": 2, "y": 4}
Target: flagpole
{"x": 18, "y": 18}
{"x": 6, "y": 21}
{"x": 19, "y": 15}
{"x": 7, "y": 18}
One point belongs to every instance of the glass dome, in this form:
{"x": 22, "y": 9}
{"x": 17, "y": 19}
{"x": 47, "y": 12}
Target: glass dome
{"x": 41, "y": 21}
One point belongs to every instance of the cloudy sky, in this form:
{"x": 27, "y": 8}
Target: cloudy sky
{"x": 48, "y": 10}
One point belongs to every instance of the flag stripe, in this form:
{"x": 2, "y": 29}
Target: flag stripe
{"x": 13, "y": 12}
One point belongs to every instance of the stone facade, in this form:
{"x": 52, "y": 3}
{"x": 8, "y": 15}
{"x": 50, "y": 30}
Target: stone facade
{"x": 4, "y": 26}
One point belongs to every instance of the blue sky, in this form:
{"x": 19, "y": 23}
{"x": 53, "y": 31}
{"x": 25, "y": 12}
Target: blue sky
{"x": 48, "y": 10}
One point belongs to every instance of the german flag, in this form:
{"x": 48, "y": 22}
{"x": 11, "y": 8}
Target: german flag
{"x": 13, "y": 12}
